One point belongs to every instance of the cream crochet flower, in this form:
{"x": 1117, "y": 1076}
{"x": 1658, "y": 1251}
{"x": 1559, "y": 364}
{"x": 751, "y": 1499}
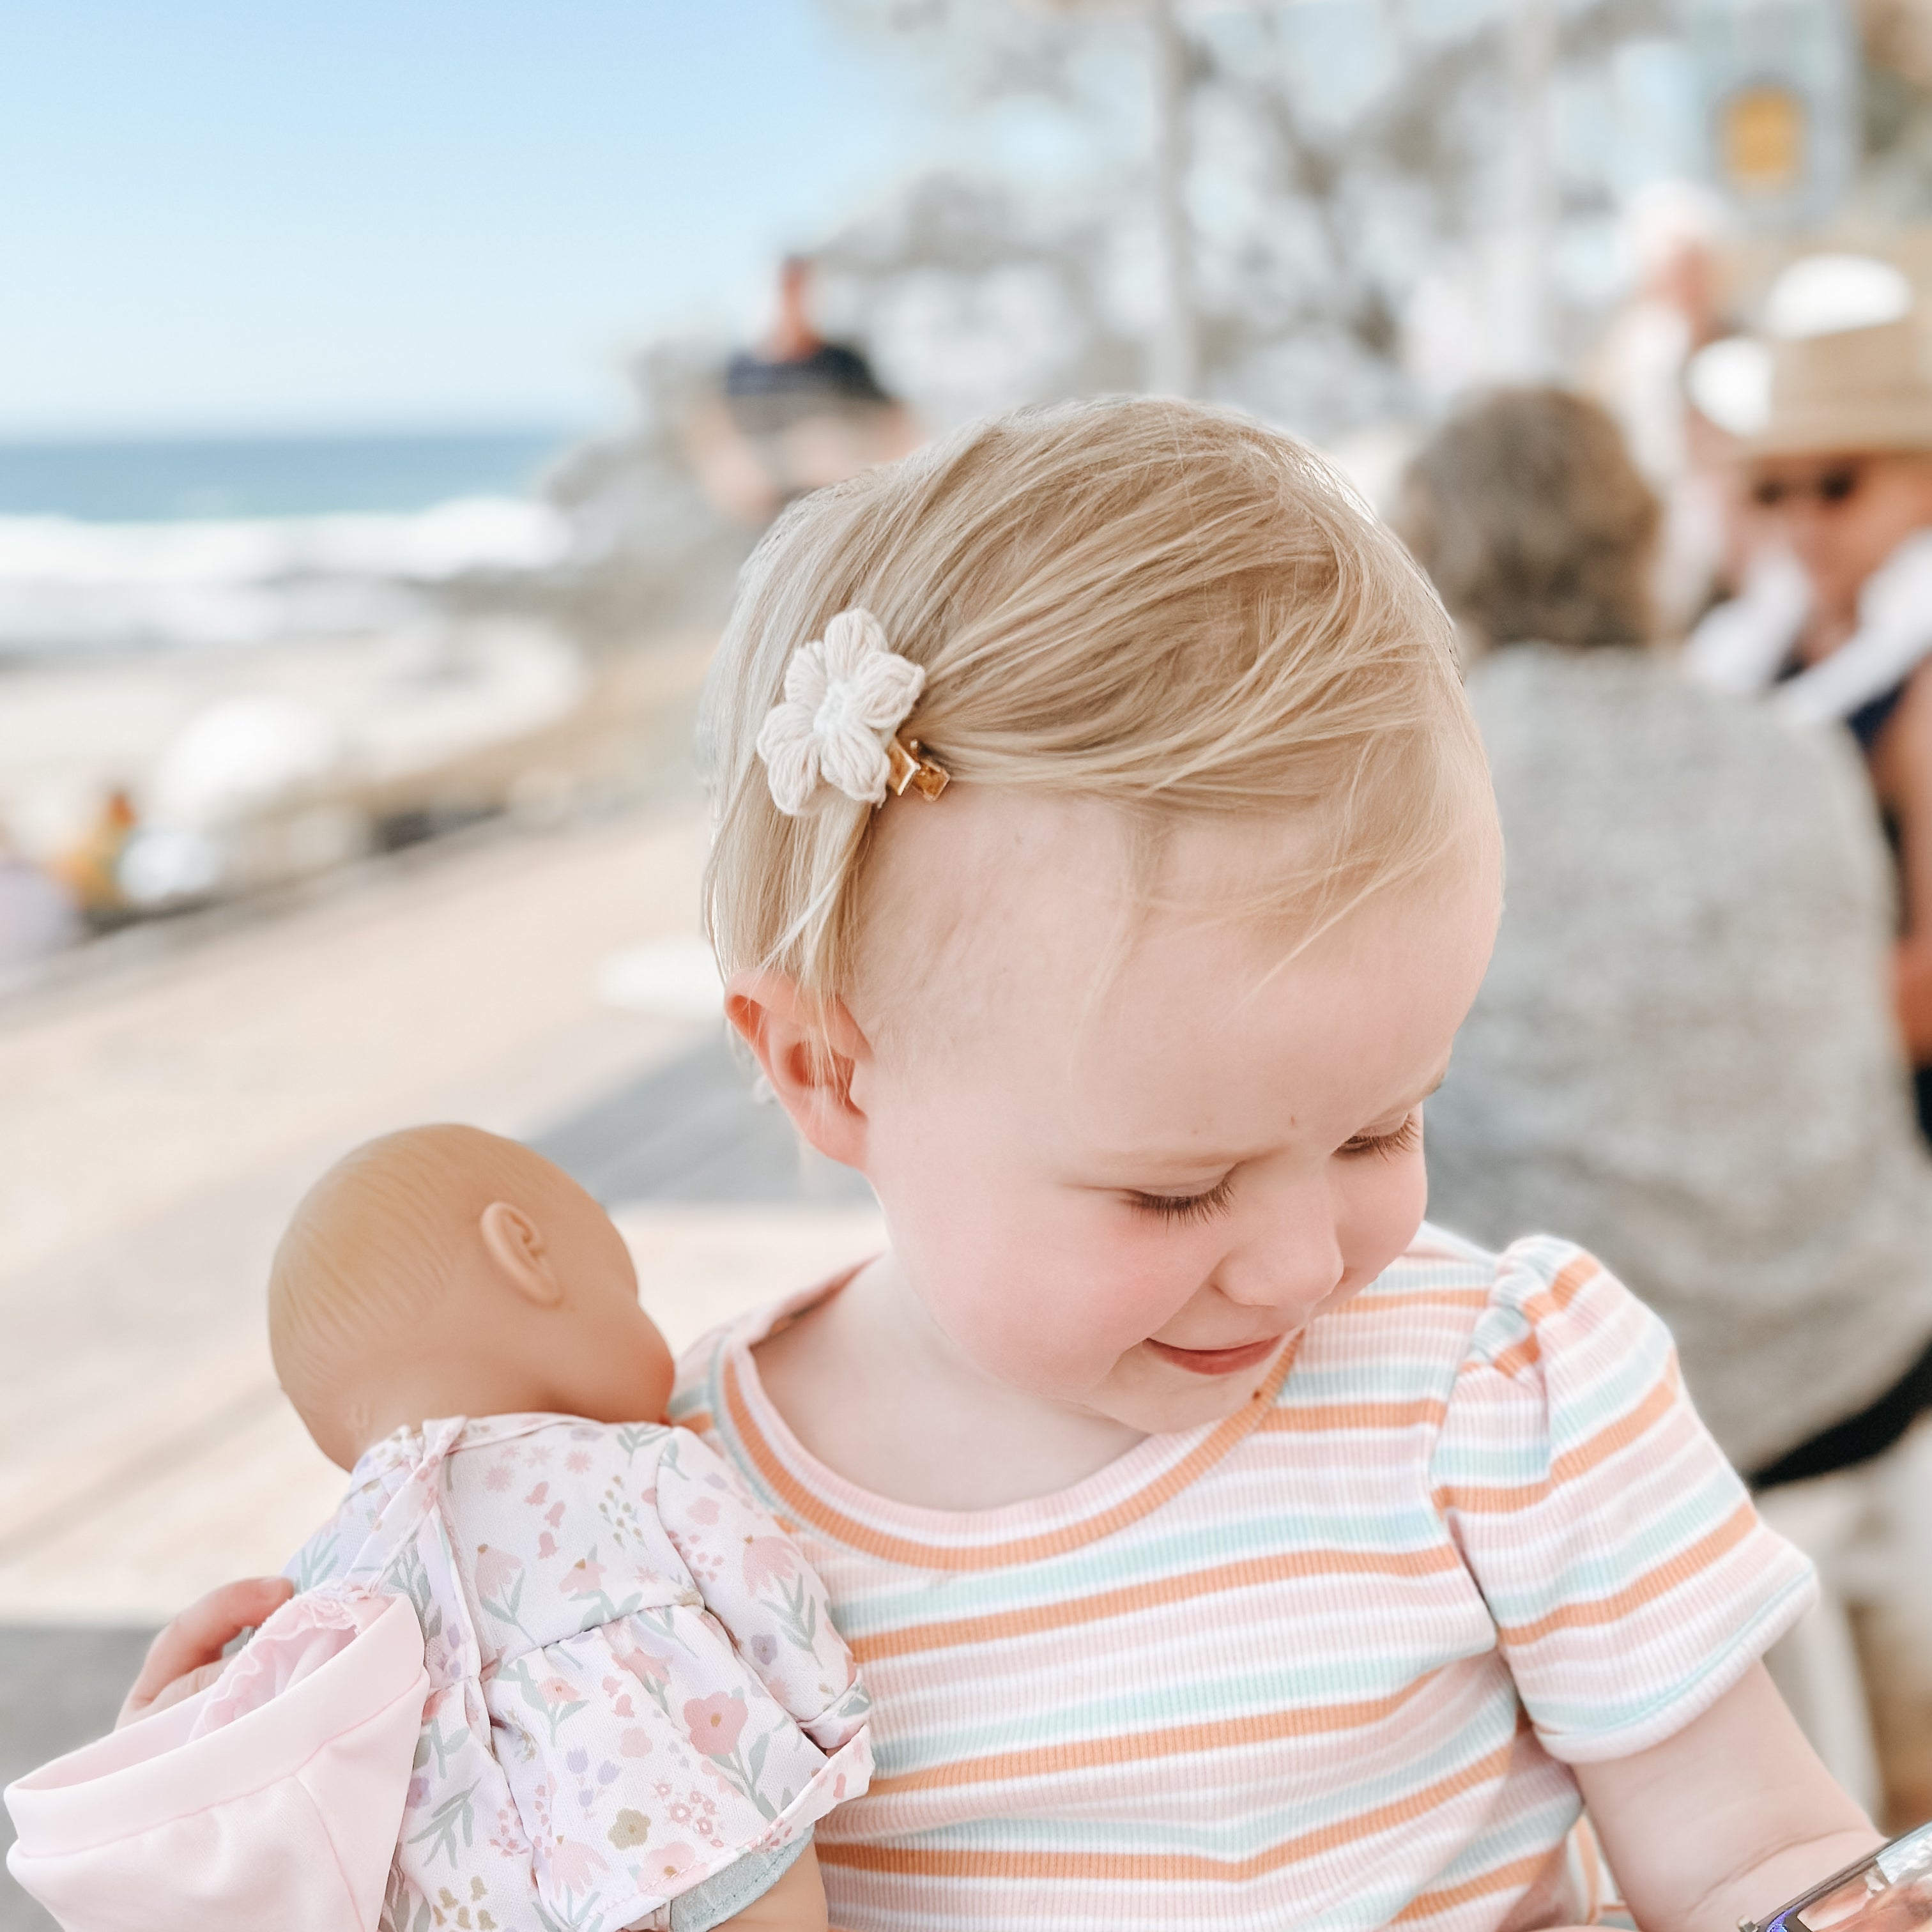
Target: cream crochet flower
{"x": 845, "y": 695}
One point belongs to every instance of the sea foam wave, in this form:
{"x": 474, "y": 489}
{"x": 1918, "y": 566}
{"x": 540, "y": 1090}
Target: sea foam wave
{"x": 68, "y": 585}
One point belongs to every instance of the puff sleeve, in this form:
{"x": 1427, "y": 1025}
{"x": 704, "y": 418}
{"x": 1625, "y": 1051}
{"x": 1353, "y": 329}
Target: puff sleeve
{"x": 756, "y": 1582}
{"x": 1630, "y": 1580}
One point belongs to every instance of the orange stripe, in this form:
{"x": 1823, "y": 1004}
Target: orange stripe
{"x": 1181, "y": 1741}
{"x": 1422, "y": 1251}
{"x": 1505, "y": 1500}
{"x": 857, "y": 1535}
{"x": 1171, "y": 1867}
{"x": 1668, "y": 1576}
{"x": 1519, "y": 1355}
{"x": 914, "y": 1639}
{"x": 1569, "y": 1282}
{"x": 1505, "y": 1878}
{"x": 1316, "y": 1418}
{"x": 1423, "y": 1297}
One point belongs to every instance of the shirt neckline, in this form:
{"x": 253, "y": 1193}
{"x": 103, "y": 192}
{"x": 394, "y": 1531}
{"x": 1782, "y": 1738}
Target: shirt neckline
{"x": 1133, "y": 1485}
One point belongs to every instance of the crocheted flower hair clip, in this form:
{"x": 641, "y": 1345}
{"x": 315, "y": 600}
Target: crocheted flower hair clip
{"x": 837, "y": 727}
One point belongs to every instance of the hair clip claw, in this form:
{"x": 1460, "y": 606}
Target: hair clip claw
{"x": 910, "y": 765}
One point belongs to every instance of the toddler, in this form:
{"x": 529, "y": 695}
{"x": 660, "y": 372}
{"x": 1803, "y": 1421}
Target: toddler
{"x": 637, "y": 1706}
{"x": 1104, "y": 861}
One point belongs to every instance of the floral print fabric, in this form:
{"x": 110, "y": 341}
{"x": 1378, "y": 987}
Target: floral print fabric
{"x": 635, "y": 1682}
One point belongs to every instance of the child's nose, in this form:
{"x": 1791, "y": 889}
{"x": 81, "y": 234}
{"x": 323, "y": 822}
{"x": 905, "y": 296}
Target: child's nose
{"x": 1290, "y": 1263}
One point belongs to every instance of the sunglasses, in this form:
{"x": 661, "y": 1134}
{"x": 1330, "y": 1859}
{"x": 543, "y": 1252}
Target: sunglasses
{"x": 1830, "y": 488}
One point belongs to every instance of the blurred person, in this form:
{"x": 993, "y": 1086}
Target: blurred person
{"x": 1838, "y": 616}
{"x": 1683, "y": 1049}
{"x": 89, "y": 866}
{"x": 1672, "y": 230}
{"x": 795, "y": 413}
{"x": 38, "y": 917}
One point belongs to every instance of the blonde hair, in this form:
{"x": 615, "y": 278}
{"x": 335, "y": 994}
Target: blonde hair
{"x": 1159, "y": 605}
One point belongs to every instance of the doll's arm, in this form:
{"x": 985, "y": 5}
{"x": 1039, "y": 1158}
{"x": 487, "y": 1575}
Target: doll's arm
{"x": 796, "y": 1903}
{"x": 1727, "y": 1820}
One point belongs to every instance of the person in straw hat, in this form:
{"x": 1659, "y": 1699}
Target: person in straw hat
{"x": 1836, "y": 619}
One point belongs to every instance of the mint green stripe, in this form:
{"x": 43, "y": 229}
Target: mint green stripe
{"x": 1142, "y": 1554}
{"x": 1599, "y": 1572}
{"x": 1236, "y": 1838}
{"x": 1562, "y": 1718}
{"x": 1196, "y": 1700}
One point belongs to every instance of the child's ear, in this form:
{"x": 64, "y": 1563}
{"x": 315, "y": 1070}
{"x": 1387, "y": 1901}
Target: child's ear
{"x": 516, "y": 1244}
{"x": 807, "y": 1050}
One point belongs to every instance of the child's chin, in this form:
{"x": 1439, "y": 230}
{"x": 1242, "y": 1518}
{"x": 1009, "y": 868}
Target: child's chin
{"x": 1173, "y": 1400}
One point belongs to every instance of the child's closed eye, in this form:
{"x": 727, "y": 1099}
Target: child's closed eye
{"x": 1184, "y": 1209}
{"x": 1403, "y": 1140}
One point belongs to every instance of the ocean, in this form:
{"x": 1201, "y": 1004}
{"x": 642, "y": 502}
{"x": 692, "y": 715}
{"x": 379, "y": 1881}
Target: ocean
{"x": 141, "y": 544}
{"x": 129, "y": 480}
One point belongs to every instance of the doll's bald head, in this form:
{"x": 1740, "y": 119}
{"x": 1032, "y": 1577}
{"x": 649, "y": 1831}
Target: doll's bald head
{"x": 445, "y": 1271}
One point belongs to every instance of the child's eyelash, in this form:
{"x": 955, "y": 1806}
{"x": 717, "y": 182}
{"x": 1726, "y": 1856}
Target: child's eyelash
{"x": 1189, "y": 1208}
{"x": 1402, "y": 1140}
{"x": 1185, "y": 1208}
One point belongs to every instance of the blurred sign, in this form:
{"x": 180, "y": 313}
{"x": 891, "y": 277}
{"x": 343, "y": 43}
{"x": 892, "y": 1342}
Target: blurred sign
{"x": 1779, "y": 83}
{"x": 1761, "y": 139}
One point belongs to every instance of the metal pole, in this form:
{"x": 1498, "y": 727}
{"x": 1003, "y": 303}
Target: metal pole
{"x": 1175, "y": 356}
{"x": 1533, "y": 58}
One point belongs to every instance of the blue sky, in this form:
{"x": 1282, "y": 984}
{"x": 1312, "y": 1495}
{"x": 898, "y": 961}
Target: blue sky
{"x": 225, "y": 215}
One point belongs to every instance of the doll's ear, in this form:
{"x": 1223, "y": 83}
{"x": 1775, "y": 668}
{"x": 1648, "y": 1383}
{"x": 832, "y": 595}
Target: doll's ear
{"x": 516, "y": 1244}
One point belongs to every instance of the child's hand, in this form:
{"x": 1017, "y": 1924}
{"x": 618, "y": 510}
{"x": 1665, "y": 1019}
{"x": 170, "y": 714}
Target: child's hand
{"x": 187, "y": 1653}
{"x": 1727, "y": 1820}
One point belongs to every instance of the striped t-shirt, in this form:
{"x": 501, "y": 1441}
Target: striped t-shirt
{"x": 1321, "y": 1664}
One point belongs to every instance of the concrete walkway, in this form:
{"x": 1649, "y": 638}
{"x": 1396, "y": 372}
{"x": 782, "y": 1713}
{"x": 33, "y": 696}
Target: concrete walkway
{"x": 158, "y": 1124}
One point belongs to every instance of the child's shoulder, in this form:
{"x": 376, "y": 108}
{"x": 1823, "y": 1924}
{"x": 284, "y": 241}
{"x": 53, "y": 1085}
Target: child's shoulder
{"x": 704, "y": 1390}
{"x": 1449, "y": 1307}
{"x": 1534, "y": 1355}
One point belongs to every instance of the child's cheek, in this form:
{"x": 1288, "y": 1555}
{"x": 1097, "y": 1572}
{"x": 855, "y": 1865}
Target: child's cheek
{"x": 1056, "y": 1318}
{"x": 1382, "y": 1209}
{"x": 1129, "y": 1282}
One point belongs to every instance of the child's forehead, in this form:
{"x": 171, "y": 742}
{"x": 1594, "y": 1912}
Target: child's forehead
{"x": 1069, "y": 911}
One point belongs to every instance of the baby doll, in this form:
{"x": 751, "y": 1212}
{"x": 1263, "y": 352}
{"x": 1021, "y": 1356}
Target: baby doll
{"x": 638, "y": 1706}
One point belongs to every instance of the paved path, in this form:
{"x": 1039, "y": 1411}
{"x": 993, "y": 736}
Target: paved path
{"x": 158, "y": 1124}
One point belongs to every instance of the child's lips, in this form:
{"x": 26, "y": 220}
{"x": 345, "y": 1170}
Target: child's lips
{"x": 1218, "y": 1361}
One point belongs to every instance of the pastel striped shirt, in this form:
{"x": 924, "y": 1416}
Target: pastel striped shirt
{"x": 1324, "y": 1664}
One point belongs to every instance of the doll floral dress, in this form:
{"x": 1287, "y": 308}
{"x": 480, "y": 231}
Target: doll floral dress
{"x": 639, "y": 1706}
